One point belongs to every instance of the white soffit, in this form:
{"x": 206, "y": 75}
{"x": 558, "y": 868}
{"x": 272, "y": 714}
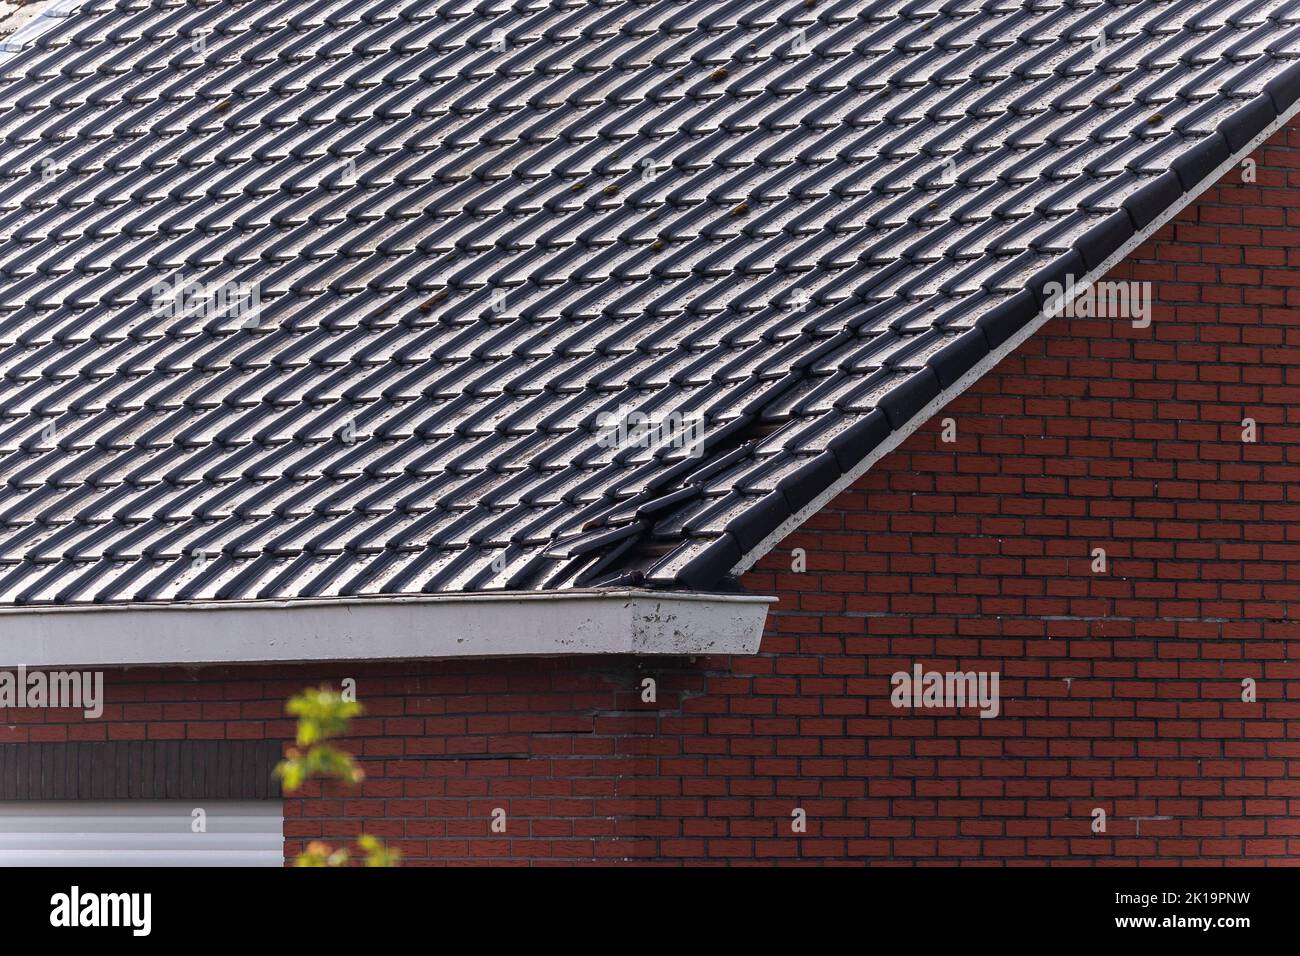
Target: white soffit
{"x": 510, "y": 624}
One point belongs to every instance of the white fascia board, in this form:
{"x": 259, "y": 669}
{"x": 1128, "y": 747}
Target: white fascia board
{"x": 508, "y": 624}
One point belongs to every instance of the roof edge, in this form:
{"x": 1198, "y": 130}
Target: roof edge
{"x": 1288, "y": 80}
{"x": 510, "y": 624}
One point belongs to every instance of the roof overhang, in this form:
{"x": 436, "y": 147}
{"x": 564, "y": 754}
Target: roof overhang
{"x": 506, "y": 624}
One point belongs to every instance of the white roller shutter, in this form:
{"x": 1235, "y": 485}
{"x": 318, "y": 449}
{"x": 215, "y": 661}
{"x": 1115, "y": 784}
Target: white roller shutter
{"x": 141, "y": 833}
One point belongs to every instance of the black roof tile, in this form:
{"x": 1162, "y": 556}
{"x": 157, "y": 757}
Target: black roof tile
{"x": 476, "y": 227}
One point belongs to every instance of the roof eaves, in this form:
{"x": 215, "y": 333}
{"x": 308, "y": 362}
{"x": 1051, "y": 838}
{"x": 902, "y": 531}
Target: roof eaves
{"x": 496, "y": 624}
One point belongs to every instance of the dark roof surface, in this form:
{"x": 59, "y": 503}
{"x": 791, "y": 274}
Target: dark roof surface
{"x": 798, "y": 220}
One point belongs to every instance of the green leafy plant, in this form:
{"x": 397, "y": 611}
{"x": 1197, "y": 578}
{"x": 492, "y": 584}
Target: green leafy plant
{"x": 324, "y": 714}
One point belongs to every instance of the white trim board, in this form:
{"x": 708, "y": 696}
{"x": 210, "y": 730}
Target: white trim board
{"x": 986, "y": 364}
{"x": 509, "y": 624}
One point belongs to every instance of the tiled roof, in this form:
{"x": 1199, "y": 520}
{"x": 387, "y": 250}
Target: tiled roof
{"x": 475, "y": 225}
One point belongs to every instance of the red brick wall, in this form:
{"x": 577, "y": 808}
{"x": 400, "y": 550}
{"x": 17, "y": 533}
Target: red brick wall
{"x": 1120, "y": 691}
